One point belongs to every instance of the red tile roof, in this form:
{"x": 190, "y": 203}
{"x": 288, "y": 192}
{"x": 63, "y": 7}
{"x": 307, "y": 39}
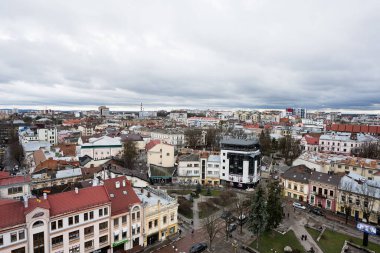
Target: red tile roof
{"x": 68, "y": 149}
{"x": 354, "y": 128}
{"x": 55, "y": 164}
{"x": 151, "y": 144}
{"x": 39, "y": 156}
{"x": 312, "y": 140}
{"x": 14, "y": 180}
{"x": 123, "y": 197}
{"x": 4, "y": 174}
{"x": 68, "y": 202}
{"x": 11, "y": 213}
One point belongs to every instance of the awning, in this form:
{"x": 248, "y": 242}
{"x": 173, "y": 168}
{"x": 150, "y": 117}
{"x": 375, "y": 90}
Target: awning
{"x": 125, "y": 229}
{"x": 116, "y": 232}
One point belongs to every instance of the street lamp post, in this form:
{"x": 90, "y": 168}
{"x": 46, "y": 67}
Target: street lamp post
{"x": 235, "y": 245}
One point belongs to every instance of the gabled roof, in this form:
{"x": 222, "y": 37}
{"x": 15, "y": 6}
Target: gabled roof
{"x": 299, "y": 173}
{"x": 123, "y": 197}
{"x": 11, "y": 213}
{"x": 70, "y": 201}
{"x": 152, "y": 144}
{"x": 311, "y": 140}
{"x": 14, "y": 180}
{"x": 325, "y": 178}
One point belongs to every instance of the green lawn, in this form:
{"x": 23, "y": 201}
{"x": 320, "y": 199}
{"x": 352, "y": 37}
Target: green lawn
{"x": 277, "y": 242}
{"x": 213, "y": 192}
{"x": 332, "y": 241}
{"x": 206, "y": 209}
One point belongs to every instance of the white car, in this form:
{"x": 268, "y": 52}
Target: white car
{"x": 298, "y": 205}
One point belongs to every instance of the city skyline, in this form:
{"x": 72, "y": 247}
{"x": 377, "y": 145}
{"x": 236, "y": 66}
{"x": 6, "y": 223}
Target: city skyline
{"x": 170, "y": 54}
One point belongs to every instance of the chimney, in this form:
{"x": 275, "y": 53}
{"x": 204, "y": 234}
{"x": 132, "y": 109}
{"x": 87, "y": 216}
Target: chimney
{"x": 45, "y": 195}
{"x": 124, "y": 183}
{"x": 117, "y": 184}
{"x": 25, "y": 198}
{"x": 76, "y": 190}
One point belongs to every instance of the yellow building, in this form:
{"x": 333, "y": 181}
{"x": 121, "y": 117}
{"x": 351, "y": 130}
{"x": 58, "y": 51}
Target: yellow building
{"x": 359, "y": 195}
{"x": 295, "y": 182}
{"x": 160, "y": 215}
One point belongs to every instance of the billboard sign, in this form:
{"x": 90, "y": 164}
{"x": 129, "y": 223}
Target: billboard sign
{"x": 366, "y": 228}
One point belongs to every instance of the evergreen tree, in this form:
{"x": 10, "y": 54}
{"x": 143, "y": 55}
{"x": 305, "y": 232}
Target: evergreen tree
{"x": 130, "y": 154}
{"x": 274, "y": 208}
{"x": 258, "y": 213}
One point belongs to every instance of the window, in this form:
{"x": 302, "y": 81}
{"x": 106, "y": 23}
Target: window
{"x": 60, "y": 223}
{"x": 138, "y": 215}
{"x": 85, "y": 216}
{"x": 74, "y": 235}
{"x": 124, "y": 234}
{"x": 172, "y": 217}
{"x": 56, "y": 241}
{"x": 100, "y": 212}
{"x": 76, "y": 219}
{"x": 289, "y": 194}
{"x": 103, "y": 239}
{"x": 325, "y": 191}
{"x": 91, "y": 215}
{"x": 74, "y": 249}
{"x": 53, "y": 225}
{"x": 354, "y": 168}
{"x": 301, "y": 188}
{"x": 331, "y": 193}
{"x": 357, "y": 202}
{"x": 150, "y": 224}
{"x": 290, "y": 186}
{"x": 116, "y": 237}
{"x": 13, "y": 237}
{"x": 105, "y": 211}
{"x": 124, "y": 219}
{"x": 314, "y": 189}
{"x": 116, "y": 222}
{"x": 1, "y": 240}
{"x": 21, "y": 235}
{"x": 164, "y": 220}
{"x": 350, "y": 199}
{"x": 167, "y": 154}
{"x": 14, "y": 190}
{"x": 19, "y": 250}
{"x": 71, "y": 220}
{"x": 328, "y": 204}
{"x": 103, "y": 225}
{"x": 89, "y": 230}
{"x": 38, "y": 224}
{"x": 89, "y": 244}
{"x": 295, "y": 187}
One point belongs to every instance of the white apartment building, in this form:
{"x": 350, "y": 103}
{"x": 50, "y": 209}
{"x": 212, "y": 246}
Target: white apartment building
{"x": 175, "y": 137}
{"x": 102, "y": 148}
{"x": 200, "y": 168}
{"x": 48, "y": 134}
{"x": 240, "y": 162}
{"x": 86, "y": 130}
{"x": 343, "y": 143}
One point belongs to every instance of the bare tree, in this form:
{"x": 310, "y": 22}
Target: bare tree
{"x": 193, "y": 137}
{"x": 211, "y": 225}
{"x": 241, "y": 207}
{"x": 130, "y": 154}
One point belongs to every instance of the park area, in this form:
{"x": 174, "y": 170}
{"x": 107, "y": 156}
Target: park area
{"x": 332, "y": 241}
{"x": 272, "y": 241}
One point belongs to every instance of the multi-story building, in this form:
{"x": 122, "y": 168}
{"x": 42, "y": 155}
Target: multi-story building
{"x": 14, "y": 187}
{"x": 159, "y": 214}
{"x": 102, "y": 148}
{"x": 309, "y": 143}
{"x": 343, "y": 143}
{"x": 296, "y": 182}
{"x": 126, "y": 215}
{"x": 104, "y": 111}
{"x": 160, "y": 154}
{"x": 75, "y": 221}
{"x": 240, "y": 162}
{"x": 364, "y": 167}
{"x": 175, "y": 137}
{"x": 323, "y": 190}
{"x": 203, "y": 168}
{"x": 180, "y": 117}
{"x": 86, "y": 130}
{"x": 202, "y": 121}
{"x": 48, "y": 134}
{"x": 360, "y": 197}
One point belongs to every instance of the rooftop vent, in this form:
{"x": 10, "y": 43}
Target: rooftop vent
{"x": 117, "y": 184}
{"x": 76, "y": 190}
{"x": 112, "y": 195}
{"x": 125, "y": 192}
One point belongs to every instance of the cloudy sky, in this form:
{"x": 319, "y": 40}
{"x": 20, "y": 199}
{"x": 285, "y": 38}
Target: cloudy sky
{"x": 197, "y": 54}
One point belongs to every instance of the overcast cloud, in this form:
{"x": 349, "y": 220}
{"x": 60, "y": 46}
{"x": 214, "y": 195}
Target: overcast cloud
{"x": 200, "y": 54}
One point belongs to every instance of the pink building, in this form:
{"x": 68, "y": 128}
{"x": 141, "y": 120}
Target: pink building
{"x": 323, "y": 190}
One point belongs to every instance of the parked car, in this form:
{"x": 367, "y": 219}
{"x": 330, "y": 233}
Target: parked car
{"x": 316, "y": 211}
{"x": 225, "y": 215}
{"x": 299, "y": 205}
{"x": 232, "y": 227}
{"x": 198, "y": 247}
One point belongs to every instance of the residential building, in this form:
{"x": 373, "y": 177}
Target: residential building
{"x": 75, "y": 221}
{"x": 126, "y": 215}
{"x": 13, "y": 187}
{"x": 309, "y": 143}
{"x": 343, "y": 143}
{"x": 102, "y": 148}
{"x": 188, "y": 171}
{"x": 323, "y": 190}
{"x": 48, "y": 134}
{"x": 160, "y": 154}
{"x": 86, "y": 130}
{"x": 159, "y": 214}
{"x": 202, "y": 121}
{"x": 364, "y": 167}
{"x": 358, "y": 195}
{"x": 240, "y": 162}
{"x": 296, "y": 182}
{"x": 175, "y": 137}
